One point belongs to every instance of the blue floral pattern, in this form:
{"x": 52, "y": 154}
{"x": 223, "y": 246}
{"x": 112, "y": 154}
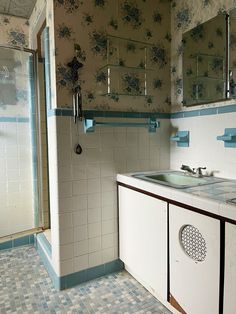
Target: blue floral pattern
{"x": 183, "y": 18}
{"x": 98, "y": 42}
{"x": 64, "y": 31}
{"x": 159, "y": 55}
{"x": 17, "y": 38}
{"x": 131, "y": 14}
{"x": 88, "y": 18}
{"x": 132, "y": 84}
{"x": 70, "y": 6}
{"x": 64, "y": 77}
{"x": 91, "y": 22}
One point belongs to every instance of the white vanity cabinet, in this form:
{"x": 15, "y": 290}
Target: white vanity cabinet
{"x": 143, "y": 239}
{"x": 194, "y": 261}
{"x": 230, "y": 269}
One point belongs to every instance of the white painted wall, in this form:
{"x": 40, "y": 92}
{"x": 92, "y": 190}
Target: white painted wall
{"x": 83, "y": 187}
{"x": 204, "y": 149}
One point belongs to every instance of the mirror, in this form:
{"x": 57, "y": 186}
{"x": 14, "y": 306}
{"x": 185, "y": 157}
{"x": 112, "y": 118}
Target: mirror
{"x": 232, "y": 54}
{"x": 205, "y": 62}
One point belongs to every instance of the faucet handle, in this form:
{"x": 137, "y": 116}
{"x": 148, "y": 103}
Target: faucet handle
{"x": 199, "y": 170}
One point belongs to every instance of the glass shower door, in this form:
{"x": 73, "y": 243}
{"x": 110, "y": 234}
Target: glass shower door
{"x": 18, "y": 149}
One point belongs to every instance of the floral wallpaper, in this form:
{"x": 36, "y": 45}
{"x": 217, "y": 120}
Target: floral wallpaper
{"x": 185, "y": 15}
{"x": 129, "y": 73}
{"x": 14, "y": 31}
{"x": 44, "y": 10}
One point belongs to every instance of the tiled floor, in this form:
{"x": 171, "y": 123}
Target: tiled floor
{"x": 25, "y": 287}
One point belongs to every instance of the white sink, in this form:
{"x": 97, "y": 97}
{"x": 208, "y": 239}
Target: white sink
{"x": 176, "y": 179}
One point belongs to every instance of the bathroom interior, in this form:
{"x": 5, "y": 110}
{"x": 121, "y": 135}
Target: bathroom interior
{"x": 118, "y": 156}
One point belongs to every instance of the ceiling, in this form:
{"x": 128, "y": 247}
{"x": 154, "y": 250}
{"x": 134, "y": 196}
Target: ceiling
{"x": 20, "y": 8}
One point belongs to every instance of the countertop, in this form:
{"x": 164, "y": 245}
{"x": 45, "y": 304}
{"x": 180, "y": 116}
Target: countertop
{"x": 211, "y": 198}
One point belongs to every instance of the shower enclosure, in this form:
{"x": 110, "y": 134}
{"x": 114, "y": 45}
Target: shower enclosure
{"x": 19, "y": 179}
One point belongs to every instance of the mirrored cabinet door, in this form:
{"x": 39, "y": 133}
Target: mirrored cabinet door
{"x": 232, "y": 53}
{"x": 204, "y": 62}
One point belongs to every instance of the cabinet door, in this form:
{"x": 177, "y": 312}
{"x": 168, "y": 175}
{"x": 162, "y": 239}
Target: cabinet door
{"x": 230, "y": 269}
{"x": 194, "y": 261}
{"x": 143, "y": 239}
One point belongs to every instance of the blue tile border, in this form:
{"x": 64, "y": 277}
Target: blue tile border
{"x": 203, "y": 112}
{"x": 74, "y": 279}
{"x": 227, "y": 109}
{"x": 67, "y": 112}
{"x": 208, "y": 111}
{"x": 55, "y": 279}
{"x": 14, "y": 119}
{"x": 47, "y": 246}
{"x": 71, "y": 280}
{"x": 26, "y": 240}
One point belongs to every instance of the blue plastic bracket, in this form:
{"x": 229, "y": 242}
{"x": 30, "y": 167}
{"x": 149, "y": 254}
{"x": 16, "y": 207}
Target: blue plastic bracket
{"x": 181, "y": 138}
{"x": 152, "y": 124}
{"x": 229, "y": 137}
{"x": 89, "y": 125}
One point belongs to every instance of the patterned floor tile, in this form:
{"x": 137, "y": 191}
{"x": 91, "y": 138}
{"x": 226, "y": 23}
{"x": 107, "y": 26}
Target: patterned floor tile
{"x": 25, "y": 287}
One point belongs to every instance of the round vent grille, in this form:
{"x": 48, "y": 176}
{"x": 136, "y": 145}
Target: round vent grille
{"x": 193, "y": 243}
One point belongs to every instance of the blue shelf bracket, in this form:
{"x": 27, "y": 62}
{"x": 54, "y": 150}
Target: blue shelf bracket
{"x": 229, "y": 137}
{"x": 90, "y": 123}
{"x": 181, "y": 138}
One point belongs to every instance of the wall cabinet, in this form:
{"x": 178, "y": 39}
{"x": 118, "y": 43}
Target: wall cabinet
{"x": 143, "y": 239}
{"x": 194, "y": 261}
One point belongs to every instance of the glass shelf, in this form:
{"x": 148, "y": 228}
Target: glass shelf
{"x": 127, "y": 94}
{"x": 206, "y": 78}
{"x": 123, "y": 67}
{"x": 128, "y": 69}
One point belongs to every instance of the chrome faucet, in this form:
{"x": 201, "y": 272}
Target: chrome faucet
{"x": 197, "y": 172}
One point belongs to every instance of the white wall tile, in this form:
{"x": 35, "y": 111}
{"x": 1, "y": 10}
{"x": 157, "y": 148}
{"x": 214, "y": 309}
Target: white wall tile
{"x": 91, "y": 178}
{"x": 108, "y": 226}
{"x": 94, "y": 230}
{"x": 109, "y": 212}
{"x": 66, "y": 267}
{"x": 108, "y": 241}
{"x": 81, "y": 263}
{"x": 108, "y": 255}
{"x": 80, "y": 202}
{"x": 95, "y": 244}
{"x": 80, "y": 187}
{"x": 95, "y": 259}
{"x": 94, "y": 186}
{"x": 81, "y": 248}
{"x": 108, "y": 184}
{"x": 66, "y": 251}
{"x": 65, "y": 221}
{"x": 66, "y": 236}
{"x": 80, "y": 218}
{"x": 204, "y": 149}
{"x": 80, "y": 233}
{"x": 94, "y": 200}
{"x": 94, "y": 215}
{"x": 93, "y": 170}
{"x": 65, "y": 189}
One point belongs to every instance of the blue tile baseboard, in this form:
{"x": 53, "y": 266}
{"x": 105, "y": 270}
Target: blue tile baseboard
{"x": 71, "y": 280}
{"x": 45, "y": 243}
{"x": 26, "y": 240}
